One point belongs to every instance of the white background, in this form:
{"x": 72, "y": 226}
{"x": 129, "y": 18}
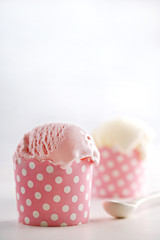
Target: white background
{"x": 81, "y": 62}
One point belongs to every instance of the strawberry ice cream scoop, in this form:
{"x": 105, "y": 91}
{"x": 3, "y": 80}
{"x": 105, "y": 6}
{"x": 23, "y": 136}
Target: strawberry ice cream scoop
{"x": 58, "y": 142}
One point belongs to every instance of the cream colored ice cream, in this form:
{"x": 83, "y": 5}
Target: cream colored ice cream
{"x": 125, "y": 134}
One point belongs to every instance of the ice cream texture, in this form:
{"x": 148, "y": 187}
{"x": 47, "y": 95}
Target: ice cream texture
{"x": 58, "y": 142}
{"x": 125, "y": 134}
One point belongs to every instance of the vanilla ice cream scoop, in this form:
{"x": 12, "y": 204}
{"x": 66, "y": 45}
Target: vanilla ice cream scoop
{"x": 125, "y": 134}
{"x": 61, "y": 143}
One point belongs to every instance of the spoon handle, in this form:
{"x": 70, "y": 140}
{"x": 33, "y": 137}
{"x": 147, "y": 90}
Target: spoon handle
{"x": 152, "y": 196}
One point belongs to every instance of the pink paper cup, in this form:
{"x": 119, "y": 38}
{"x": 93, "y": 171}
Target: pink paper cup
{"x": 118, "y": 175}
{"x": 48, "y": 195}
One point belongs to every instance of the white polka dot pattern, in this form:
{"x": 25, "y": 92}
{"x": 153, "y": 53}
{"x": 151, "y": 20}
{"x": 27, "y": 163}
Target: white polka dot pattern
{"x": 86, "y": 196}
{"x": 44, "y": 224}
{"x": 48, "y": 195}
{"x": 65, "y": 208}
{"x": 23, "y": 190}
{"x": 35, "y": 214}
{"x": 48, "y": 188}
{"x": 28, "y": 202}
{"x": 83, "y": 168}
{"x": 74, "y": 198}
{"x": 49, "y": 169}
{"x": 76, "y": 179}
{"x": 27, "y": 220}
{"x": 19, "y": 161}
{"x": 56, "y": 198}
{"x": 54, "y": 217}
{"x": 39, "y": 177}
{"x": 85, "y": 214}
{"x": 58, "y": 180}
{"x": 30, "y": 184}
{"x": 17, "y": 196}
{"x": 24, "y": 172}
{"x": 102, "y": 192}
{"x": 18, "y": 178}
{"x": 63, "y": 224}
{"x": 80, "y": 207}
{"x": 87, "y": 178}
{"x": 82, "y": 188}
{"x": 69, "y": 170}
{"x": 37, "y": 195}
{"x": 67, "y": 189}
{"x": 73, "y": 216}
{"x": 46, "y": 206}
{"x": 32, "y": 165}
{"x": 22, "y": 208}
{"x": 118, "y": 175}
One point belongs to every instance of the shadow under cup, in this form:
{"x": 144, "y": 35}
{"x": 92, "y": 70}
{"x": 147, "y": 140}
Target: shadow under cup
{"x": 119, "y": 175}
{"x": 48, "y": 195}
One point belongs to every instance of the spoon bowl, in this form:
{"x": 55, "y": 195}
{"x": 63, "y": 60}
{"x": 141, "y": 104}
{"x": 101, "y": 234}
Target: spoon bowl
{"x": 119, "y": 209}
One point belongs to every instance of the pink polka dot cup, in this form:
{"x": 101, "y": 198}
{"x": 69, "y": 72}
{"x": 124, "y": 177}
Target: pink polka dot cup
{"x": 48, "y": 195}
{"x": 119, "y": 175}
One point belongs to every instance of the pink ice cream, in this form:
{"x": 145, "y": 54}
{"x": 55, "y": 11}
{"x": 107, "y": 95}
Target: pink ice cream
{"x": 58, "y": 142}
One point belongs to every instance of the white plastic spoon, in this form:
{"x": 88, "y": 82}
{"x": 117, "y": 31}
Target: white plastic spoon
{"x": 120, "y": 209}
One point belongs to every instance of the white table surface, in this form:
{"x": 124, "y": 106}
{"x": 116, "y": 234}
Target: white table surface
{"x": 142, "y": 225}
